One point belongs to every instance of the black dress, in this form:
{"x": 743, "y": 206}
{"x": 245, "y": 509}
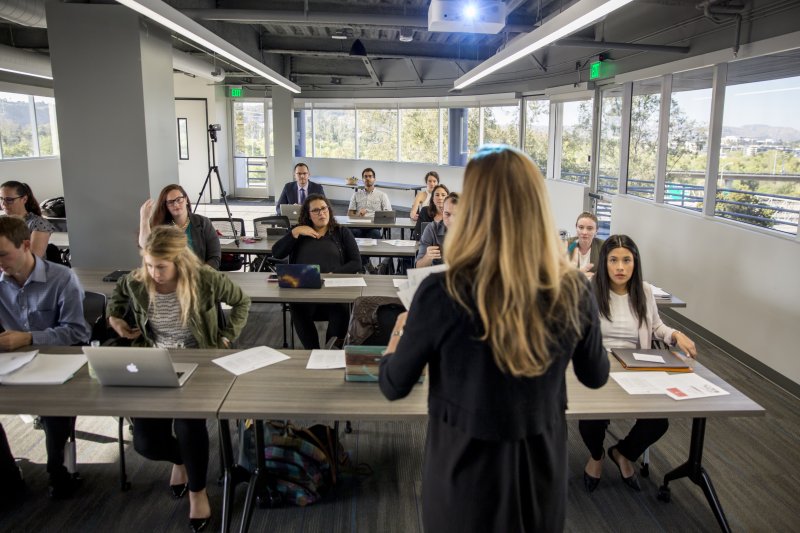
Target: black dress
{"x": 495, "y": 457}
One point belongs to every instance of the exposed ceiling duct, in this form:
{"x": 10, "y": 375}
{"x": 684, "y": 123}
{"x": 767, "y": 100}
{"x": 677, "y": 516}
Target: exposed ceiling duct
{"x": 24, "y": 12}
{"x": 38, "y": 65}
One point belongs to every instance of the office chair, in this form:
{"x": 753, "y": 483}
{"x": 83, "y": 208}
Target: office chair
{"x": 230, "y": 262}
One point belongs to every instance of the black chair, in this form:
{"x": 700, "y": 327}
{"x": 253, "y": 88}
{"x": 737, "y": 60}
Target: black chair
{"x": 230, "y": 262}
{"x": 264, "y": 227}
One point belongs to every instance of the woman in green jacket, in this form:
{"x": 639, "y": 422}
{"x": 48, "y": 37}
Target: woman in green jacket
{"x": 174, "y": 299}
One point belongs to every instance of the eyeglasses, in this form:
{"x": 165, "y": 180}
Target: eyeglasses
{"x": 176, "y": 201}
{"x": 318, "y": 211}
{"x": 9, "y": 199}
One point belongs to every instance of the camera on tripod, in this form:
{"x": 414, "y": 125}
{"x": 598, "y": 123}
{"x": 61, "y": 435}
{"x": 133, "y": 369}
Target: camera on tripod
{"x": 212, "y": 131}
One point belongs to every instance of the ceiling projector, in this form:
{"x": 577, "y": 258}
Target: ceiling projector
{"x": 486, "y": 16}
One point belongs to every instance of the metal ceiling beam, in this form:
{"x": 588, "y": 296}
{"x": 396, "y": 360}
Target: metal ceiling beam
{"x": 413, "y": 69}
{"x": 371, "y": 70}
{"x": 346, "y": 55}
{"x": 606, "y": 45}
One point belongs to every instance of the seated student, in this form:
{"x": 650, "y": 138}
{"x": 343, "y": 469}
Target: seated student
{"x": 628, "y": 319}
{"x": 423, "y": 198}
{"x": 584, "y": 249}
{"x": 432, "y": 213}
{"x": 174, "y": 300}
{"x": 295, "y": 192}
{"x": 41, "y": 303}
{"x": 17, "y": 199}
{"x": 174, "y": 207}
{"x": 365, "y": 202}
{"x": 319, "y": 240}
{"x": 430, "y": 245}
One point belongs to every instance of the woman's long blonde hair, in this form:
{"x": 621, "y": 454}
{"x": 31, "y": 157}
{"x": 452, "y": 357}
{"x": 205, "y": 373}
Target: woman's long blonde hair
{"x": 168, "y": 243}
{"x": 504, "y": 253}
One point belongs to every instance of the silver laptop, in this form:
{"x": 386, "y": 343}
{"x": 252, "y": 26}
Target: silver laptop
{"x": 385, "y": 217}
{"x": 291, "y": 211}
{"x": 137, "y": 367}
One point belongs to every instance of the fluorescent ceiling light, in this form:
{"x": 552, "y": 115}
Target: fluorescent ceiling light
{"x": 566, "y": 23}
{"x": 24, "y": 73}
{"x": 176, "y": 21}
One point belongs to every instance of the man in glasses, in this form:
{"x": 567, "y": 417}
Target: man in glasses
{"x": 364, "y": 203}
{"x": 431, "y": 244}
{"x": 41, "y": 303}
{"x": 296, "y": 192}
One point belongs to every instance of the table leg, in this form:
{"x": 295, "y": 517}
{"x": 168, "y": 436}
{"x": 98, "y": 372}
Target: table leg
{"x": 123, "y": 476}
{"x": 258, "y": 479}
{"x": 693, "y": 469}
{"x": 233, "y": 474}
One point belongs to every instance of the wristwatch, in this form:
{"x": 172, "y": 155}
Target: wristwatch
{"x": 397, "y": 333}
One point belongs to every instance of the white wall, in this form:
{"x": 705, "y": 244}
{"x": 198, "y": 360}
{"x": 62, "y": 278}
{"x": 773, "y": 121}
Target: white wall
{"x": 567, "y": 201}
{"x": 739, "y": 283}
{"x": 42, "y": 174}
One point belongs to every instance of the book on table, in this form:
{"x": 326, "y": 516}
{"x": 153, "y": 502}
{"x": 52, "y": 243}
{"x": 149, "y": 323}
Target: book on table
{"x": 362, "y": 363}
{"x": 639, "y": 359}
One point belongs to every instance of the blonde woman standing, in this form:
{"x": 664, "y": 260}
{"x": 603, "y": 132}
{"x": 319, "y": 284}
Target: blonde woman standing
{"x": 174, "y": 302}
{"x": 510, "y": 314}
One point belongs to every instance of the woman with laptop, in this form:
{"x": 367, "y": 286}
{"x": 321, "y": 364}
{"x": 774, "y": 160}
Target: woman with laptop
{"x": 173, "y": 207}
{"x": 628, "y": 319}
{"x": 423, "y": 198}
{"x": 319, "y": 240}
{"x": 510, "y": 313}
{"x": 174, "y": 299}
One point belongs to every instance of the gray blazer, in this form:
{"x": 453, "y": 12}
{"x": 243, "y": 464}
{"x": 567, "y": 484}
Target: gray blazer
{"x": 205, "y": 242}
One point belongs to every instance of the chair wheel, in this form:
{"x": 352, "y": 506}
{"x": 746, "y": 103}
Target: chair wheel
{"x": 645, "y": 471}
{"x": 664, "y": 494}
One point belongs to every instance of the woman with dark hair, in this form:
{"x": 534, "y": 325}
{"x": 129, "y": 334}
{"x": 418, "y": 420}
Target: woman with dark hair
{"x": 497, "y": 331}
{"x": 423, "y": 198}
{"x": 174, "y": 207}
{"x": 584, "y": 249}
{"x": 434, "y": 211}
{"x": 18, "y": 200}
{"x": 174, "y": 299}
{"x": 319, "y": 240}
{"x": 628, "y": 319}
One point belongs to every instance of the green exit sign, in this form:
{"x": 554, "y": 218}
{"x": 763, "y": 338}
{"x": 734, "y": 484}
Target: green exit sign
{"x": 601, "y": 69}
{"x": 236, "y": 92}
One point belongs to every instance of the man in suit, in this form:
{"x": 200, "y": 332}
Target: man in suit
{"x": 297, "y": 191}
{"x": 41, "y": 303}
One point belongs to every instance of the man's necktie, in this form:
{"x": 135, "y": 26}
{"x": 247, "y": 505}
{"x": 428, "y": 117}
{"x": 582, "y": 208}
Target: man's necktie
{"x": 302, "y": 196}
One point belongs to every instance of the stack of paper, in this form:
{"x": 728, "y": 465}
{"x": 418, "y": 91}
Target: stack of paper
{"x": 9, "y": 362}
{"x": 248, "y": 360}
{"x": 46, "y": 369}
{"x": 326, "y": 359}
{"x": 415, "y": 278}
{"x": 399, "y": 242}
{"x": 676, "y": 386}
{"x": 345, "y": 282}
{"x": 366, "y": 242}
{"x": 660, "y": 294}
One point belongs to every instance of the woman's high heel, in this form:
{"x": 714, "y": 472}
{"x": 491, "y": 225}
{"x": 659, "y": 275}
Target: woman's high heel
{"x": 199, "y": 524}
{"x": 178, "y": 490}
{"x": 631, "y": 481}
{"x": 590, "y": 482}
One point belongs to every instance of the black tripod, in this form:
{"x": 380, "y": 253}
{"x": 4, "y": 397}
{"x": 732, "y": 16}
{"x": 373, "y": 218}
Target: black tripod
{"x": 212, "y": 132}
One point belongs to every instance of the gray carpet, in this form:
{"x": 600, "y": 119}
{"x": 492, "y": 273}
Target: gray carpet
{"x": 753, "y": 462}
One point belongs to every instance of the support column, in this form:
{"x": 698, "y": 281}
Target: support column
{"x": 282, "y": 124}
{"x": 113, "y": 85}
{"x": 457, "y": 137}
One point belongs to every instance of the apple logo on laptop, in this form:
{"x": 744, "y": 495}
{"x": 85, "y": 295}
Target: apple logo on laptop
{"x": 132, "y": 368}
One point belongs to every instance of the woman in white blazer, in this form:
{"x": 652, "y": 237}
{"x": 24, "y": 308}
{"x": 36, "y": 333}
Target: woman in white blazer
{"x": 628, "y": 319}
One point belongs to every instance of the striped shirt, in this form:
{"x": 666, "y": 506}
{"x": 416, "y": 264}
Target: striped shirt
{"x": 164, "y": 315}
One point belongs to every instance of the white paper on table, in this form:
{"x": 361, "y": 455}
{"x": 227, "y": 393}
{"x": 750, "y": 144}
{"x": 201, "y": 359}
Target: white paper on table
{"x": 366, "y": 242}
{"x": 640, "y": 382}
{"x": 399, "y": 242}
{"x": 248, "y": 360}
{"x": 10, "y": 362}
{"x": 227, "y": 241}
{"x": 46, "y": 369}
{"x": 415, "y": 277}
{"x": 400, "y": 283}
{"x": 345, "y": 282}
{"x": 650, "y": 358}
{"x": 658, "y": 292}
{"x": 691, "y": 386}
{"x": 326, "y": 359}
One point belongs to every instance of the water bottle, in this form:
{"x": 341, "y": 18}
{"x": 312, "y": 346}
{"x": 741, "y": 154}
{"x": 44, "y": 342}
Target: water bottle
{"x": 93, "y": 344}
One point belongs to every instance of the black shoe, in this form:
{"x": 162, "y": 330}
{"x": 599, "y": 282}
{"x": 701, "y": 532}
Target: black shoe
{"x": 589, "y": 482}
{"x": 64, "y": 487}
{"x": 632, "y": 481}
{"x": 199, "y": 524}
{"x": 178, "y": 490}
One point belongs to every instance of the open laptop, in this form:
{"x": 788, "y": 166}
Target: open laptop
{"x": 137, "y": 367}
{"x": 291, "y": 211}
{"x": 385, "y": 217}
{"x": 298, "y": 276}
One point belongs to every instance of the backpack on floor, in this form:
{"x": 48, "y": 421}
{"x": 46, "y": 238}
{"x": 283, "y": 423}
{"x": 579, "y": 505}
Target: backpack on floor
{"x": 372, "y": 320}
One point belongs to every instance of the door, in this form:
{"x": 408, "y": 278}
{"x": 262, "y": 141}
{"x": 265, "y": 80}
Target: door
{"x": 193, "y": 156}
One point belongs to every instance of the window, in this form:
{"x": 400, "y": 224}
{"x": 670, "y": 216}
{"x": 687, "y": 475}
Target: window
{"x": 46, "y": 125}
{"x": 419, "y": 135}
{"x": 610, "y": 133}
{"x": 537, "y": 127}
{"x": 501, "y": 125}
{"x": 249, "y": 129}
{"x": 377, "y": 134}
{"x": 643, "y": 148}
{"x": 335, "y": 133}
{"x": 16, "y": 126}
{"x": 759, "y": 165}
{"x": 576, "y": 140}
{"x": 472, "y": 116}
{"x": 183, "y": 138}
{"x": 687, "y": 146}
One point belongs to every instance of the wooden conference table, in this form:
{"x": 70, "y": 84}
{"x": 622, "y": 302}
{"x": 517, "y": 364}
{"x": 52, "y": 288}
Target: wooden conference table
{"x": 287, "y": 390}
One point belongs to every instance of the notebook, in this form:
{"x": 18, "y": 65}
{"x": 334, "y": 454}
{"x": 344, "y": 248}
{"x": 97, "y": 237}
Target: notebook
{"x": 114, "y": 276}
{"x": 672, "y": 361}
{"x": 385, "y": 217}
{"x": 137, "y": 367}
{"x": 298, "y": 276}
{"x": 291, "y": 211}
